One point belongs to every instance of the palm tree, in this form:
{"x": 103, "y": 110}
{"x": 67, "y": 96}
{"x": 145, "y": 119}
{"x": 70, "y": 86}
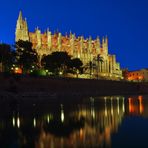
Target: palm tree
{"x": 100, "y": 60}
{"x": 90, "y": 67}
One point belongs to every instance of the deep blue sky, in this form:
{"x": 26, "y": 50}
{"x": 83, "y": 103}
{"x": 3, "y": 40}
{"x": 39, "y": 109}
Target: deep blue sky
{"x": 125, "y": 22}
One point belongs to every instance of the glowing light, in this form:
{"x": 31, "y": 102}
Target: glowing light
{"x": 78, "y": 55}
{"x": 130, "y": 105}
{"x": 141, "y": 106}
{"x": 105, "y": 107}
{"x": 123, "y": 106}
{"x": 13, "y": 121}
{"x": 112, "y": 112}
{"x": 16, "y": 68}
{"x": 93, "y": 112}
{"x": 81, "y": 133}
{"x": 49, "y": 117}
{"x": 60, "y": 72}
{"x": 34, "y": 122}
{"x": 62, "y": 113}
{"x": 118, "y": 105}
{"x": 92, "y": 107}
{"x": 18, "y": 122}
{"x": 105, "y": 112}
{"x": 140, "y": 77}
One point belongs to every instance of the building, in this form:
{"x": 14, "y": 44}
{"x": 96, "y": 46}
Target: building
{"x": 138, "y": 75}
{"x": 78, "y": 47}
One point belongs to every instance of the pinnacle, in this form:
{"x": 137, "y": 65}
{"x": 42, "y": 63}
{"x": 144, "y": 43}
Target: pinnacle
{"x": 20, "y": 15}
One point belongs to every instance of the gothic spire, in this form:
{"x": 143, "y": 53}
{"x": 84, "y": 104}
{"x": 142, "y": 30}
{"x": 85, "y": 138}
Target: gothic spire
{"x": 20, "y": 16}
{"x": 103, "y": 40}
{"x": 25, "y": 24}
{"x": 106, "y": 40}
{"x": 21, "y": 28}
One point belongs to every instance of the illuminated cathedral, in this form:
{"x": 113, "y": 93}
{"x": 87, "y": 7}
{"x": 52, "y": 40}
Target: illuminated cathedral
{"x": 78, "y": 47}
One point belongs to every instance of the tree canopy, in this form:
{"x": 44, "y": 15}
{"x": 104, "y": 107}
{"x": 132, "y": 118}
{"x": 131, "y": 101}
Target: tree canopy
{"x": 61, "y": 62}
{"x": 56, "y": 62}
{"x": 27, "y": 59}
{"x": 26, "y": 55}
{"x": 7, "y": 56}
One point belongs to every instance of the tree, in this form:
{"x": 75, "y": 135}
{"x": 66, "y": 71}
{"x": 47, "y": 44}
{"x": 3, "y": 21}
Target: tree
{"x": 7, "y": 56}
{"x": 76, "y": 65}
{"x": 26, "y": 55}
{"x": 100, "y": 60}
{"x": 57, "y": 62}
{"x": 90, "y": 68}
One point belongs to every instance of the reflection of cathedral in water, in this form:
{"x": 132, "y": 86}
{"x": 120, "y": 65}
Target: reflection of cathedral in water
{"x": 101, "y": 120}
{"x": 102, "y": 117}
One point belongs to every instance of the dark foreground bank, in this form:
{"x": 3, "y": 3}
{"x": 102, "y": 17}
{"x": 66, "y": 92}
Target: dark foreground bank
{"x": 69, "y": 87}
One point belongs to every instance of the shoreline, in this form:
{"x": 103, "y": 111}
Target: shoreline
{"x": 68, "y": 87}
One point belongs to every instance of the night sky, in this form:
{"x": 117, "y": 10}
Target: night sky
{"x": 125, "y": 22}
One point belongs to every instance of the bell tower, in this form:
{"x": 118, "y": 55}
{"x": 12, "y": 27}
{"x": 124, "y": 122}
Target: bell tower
{"x": 21, "y": 32}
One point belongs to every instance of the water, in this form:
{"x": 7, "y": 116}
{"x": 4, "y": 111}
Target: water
{"x": 101, "y": 122}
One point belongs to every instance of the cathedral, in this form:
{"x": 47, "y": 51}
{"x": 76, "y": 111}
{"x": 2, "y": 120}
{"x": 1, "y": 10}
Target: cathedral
{"x": 78, "y": 47}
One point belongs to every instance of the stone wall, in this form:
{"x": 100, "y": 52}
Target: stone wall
{"x": 63, "y": 86}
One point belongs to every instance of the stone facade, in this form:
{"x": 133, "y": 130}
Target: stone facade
{"x": 78, "y": 47}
